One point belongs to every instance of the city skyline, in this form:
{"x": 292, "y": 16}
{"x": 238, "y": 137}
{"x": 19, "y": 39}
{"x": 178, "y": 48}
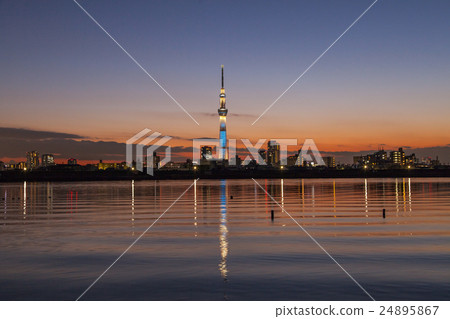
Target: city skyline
{"x": 90, "y": 152}
{"x": 89, "y": 96}
{"x": 269, "y": 152}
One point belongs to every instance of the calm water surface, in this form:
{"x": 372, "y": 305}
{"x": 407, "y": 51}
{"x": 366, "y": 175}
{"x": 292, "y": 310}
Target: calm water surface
{"x": 57, "y": 238}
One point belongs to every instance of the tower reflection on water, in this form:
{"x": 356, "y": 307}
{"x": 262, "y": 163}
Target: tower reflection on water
{"x": 223, "y": 231}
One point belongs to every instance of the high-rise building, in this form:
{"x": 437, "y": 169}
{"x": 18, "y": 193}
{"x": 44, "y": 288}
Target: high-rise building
{"x": 357, "y": 160}
{"x": 223, "y": 111}
{"x": 292, "y": 160}
{"x": 411, "y": 160}
{"x": 156, "y": 160}
{"x": 300, "y": 159}
{"x": 398, "y": 157}
{"x": 262, "y": 153}
{"x": 32, "y": 160}
{"x": 48, "y": 160}
{"x": 273, "y": 153}
{"x": 329, "y": 161}
{"x": 238, "y": 161}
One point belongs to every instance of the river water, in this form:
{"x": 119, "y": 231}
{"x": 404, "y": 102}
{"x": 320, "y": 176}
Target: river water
{"x": 219, "y": 242}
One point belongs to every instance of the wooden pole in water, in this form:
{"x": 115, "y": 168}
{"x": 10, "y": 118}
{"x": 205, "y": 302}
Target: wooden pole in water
{"x": 384, "y": 213}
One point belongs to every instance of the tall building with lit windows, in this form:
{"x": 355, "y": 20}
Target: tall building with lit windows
{"x": 48, "y": 160}
{"x": 398, "y": 157}
{"x": 32, "y": 160}
{"x": 273, "y": 153}
{"x": 330, "y": 161}
{"x": 223, "y": 154}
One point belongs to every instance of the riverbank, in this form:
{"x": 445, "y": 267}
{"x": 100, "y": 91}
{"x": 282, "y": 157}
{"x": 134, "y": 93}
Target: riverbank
{"x": 105, "y": 175}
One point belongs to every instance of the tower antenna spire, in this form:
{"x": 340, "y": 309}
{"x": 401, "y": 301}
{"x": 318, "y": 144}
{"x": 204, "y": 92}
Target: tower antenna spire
{"x": 222, "y": 76}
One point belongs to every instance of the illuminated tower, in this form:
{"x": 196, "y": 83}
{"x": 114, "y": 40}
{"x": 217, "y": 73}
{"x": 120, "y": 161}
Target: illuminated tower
{"x": 223, "y": 154}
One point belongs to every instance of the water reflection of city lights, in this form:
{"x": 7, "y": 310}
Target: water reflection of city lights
{"x": 223, "y": 230}
{"x": 396, "y": 196}
{"x": 24, "y": 198}
{"x": 366, "y": 197}
{"x": 195, "y": 208}
{"x": 409, "y": 195}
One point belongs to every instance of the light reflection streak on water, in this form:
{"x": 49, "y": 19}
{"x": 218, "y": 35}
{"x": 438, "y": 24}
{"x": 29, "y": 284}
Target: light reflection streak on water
{"x": 334, "y": 197}
{"x": 223, "y": 233}
{"x": 366, "y": 200}
{"x": 303, "y": 196}
{"x": 409, "y": 195}
{"x": 195, "y": 208}
{"x": 49, "y": 198}
{"x": 24, "y": 199}
{"x": 266, "y": 197}
{"x": 282, "y": 193}
{"x": 70, "y": 197}
{"x": 132, "y": 206}
{"x": 404, "y": 196}
{"x": 396, "y": 196}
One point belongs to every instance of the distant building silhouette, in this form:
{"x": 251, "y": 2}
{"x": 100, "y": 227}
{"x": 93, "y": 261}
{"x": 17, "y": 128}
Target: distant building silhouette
{"x": 48, "y": 160}
{"x": 379, "y": 160}
{"x": 329, "y": 161}
{"x": 292, "y": 160}
{"x": 263, "y": 155}
{"x": 156, "y": 160}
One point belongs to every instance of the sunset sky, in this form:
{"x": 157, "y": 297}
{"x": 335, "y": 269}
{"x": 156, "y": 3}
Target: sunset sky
{"x": 64, "y": 84}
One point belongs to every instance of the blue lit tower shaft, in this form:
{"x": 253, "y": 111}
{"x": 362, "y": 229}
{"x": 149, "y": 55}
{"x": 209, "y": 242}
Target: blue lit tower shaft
{"x": 223, "y": 154}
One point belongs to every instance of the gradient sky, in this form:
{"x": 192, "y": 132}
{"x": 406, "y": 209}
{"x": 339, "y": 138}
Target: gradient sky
{"x": 385, "y": 82}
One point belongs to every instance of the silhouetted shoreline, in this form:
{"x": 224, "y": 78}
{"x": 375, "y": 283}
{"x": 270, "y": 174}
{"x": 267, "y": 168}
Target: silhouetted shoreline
{"x": 224, "y": 173}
